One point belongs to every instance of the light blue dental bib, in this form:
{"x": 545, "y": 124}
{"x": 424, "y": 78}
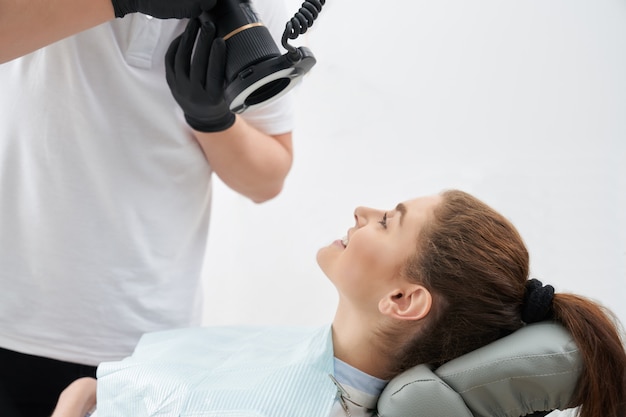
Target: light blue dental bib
{"x": 222, "y": 371}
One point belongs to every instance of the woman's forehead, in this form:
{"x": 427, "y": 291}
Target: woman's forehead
{"x": 421, "y": 204}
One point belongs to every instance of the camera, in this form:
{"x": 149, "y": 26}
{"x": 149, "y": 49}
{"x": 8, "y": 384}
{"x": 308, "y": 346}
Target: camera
{"x": 256, "y": 73}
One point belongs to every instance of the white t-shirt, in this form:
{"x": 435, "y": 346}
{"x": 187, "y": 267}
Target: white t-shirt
{"x": 105, "y": 193}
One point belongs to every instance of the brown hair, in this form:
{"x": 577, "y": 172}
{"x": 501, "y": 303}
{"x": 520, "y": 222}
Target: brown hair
{"x": 475, "y": 264}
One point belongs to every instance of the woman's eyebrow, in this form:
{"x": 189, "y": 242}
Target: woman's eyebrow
{"x": 401, "y": 208}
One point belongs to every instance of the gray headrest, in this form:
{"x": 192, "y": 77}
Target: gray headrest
{"x": 533, "y": 369}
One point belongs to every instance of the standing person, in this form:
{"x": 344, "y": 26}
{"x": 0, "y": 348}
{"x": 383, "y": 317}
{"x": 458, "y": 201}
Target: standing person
{"x": 424, "y": 283}
{"x": 105, "y": 179}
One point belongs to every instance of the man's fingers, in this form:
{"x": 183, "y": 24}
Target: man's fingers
{"x": 185, "y": 48}
{"x": 217, "y": 65}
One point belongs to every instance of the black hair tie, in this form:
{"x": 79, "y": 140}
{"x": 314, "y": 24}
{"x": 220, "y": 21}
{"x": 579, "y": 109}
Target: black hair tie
{"x": 537, "y": 304}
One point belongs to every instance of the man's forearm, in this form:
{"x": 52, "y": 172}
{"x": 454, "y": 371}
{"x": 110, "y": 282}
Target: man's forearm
{"x": 248, "y": 161}
{"x": 27, "y": 25}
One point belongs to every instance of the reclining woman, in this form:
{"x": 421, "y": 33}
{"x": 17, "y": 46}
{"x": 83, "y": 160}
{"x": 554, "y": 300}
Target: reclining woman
{"x": 426, "y": 282}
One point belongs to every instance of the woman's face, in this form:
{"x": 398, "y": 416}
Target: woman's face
{"x": 367, "y": 262}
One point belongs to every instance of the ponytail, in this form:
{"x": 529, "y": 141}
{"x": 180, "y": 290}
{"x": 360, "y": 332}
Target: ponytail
{"x": 601, "y": 389}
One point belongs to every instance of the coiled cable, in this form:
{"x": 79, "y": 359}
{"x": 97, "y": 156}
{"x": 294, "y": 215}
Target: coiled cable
{"x": 301, "y": 21}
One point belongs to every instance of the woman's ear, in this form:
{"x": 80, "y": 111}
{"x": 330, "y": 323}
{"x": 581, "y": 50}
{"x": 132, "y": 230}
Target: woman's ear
{"x": 412, "y": 302}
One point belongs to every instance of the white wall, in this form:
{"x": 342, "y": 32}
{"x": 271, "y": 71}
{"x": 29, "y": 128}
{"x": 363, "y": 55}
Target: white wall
{"x": 522, "y": 103}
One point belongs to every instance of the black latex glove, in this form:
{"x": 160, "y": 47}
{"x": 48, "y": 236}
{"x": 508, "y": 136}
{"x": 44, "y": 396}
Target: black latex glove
{"x": 162, "y": 9}
{"x": 197, "y": 82}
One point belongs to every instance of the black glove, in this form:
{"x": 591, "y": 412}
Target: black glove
{"x": 162, "y": 9}
{"x": 197, "y": 83}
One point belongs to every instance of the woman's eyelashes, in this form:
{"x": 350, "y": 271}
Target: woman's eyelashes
{"x": 383, "y": 222}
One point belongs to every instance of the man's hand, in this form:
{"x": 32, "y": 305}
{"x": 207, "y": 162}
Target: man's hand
{"x": 197, "y": 83}
{"x": 162, "y": 9}
{"x": 77, "y": 399}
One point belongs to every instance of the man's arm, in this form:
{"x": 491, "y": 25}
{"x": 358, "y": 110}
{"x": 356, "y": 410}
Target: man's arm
{"x": 248, "y": 161}
{"x": 77, "y": 399}
{"x": 27, "y": 25}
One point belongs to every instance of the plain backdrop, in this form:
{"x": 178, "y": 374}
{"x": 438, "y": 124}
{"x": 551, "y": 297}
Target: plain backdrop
{"x": 521, "y": 103}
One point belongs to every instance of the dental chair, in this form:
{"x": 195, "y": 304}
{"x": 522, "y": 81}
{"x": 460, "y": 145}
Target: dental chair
{"x": 530, "y": 372}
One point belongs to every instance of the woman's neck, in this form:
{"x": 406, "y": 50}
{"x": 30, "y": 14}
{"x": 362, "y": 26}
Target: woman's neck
{"x": 354, "y": 342}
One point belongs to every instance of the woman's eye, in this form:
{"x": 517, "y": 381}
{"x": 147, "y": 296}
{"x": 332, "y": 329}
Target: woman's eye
{"x": 383, "y": 222}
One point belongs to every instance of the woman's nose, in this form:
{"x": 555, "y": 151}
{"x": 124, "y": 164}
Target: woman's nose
{"x": 361, "y": 215}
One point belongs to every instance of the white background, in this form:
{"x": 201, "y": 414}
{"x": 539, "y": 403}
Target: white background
{"x": 521, "y": 103}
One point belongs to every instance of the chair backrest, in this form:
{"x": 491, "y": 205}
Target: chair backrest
{"x": 532, "y": 371}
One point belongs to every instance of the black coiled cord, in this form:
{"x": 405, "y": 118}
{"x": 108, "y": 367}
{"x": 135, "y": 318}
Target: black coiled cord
{"x": 300, "y": 23}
